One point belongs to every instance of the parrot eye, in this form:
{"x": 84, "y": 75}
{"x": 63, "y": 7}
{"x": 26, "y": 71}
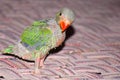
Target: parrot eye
{"x": 60, "y": 14}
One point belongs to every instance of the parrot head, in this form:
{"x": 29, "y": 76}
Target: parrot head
{"x": 64, "y": 18}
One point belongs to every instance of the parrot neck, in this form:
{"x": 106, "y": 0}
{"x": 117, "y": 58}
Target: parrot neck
{"x": 54, "y": 26}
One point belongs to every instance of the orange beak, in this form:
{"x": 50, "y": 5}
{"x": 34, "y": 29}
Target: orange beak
{"x": 64, "y": 24}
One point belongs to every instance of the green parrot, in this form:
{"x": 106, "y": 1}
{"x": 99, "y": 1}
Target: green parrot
{"x": 38, "y": 39}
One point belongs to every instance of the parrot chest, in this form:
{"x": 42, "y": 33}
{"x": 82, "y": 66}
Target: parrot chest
{"x": 58, "y": 36}
{"x": 60, "y": 40}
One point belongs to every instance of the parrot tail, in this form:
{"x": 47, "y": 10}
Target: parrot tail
{"x": 7, "y": 50}
{"x": 17, "y": 49}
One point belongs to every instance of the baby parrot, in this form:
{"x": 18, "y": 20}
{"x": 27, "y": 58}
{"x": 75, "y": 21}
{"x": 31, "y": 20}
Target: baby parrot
{"x": 43, "y": 35}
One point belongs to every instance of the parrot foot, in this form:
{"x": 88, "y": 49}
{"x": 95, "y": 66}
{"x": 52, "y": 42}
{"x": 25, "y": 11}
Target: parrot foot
{"x": 37, "y": 71}
{"x": 32, "y": 72}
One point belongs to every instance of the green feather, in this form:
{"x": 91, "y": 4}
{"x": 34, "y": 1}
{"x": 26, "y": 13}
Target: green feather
{"x": 34, "y": 34}
{"x": 9, "y": 49}
{"x": 39, "y": 23}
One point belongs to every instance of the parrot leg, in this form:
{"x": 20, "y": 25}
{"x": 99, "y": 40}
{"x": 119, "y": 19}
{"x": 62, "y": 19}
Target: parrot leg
{"x": 37, "y": 63}
{"x": 42, "y": 62}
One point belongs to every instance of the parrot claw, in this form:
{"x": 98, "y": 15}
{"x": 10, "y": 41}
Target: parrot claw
{"x": 37, "y": 71}
{"x": 32, "y": 72}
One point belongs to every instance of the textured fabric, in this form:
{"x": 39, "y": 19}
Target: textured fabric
{"x": 91, "y": 49}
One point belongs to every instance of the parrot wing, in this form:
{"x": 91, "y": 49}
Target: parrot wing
{"x": 37, "y": 35}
